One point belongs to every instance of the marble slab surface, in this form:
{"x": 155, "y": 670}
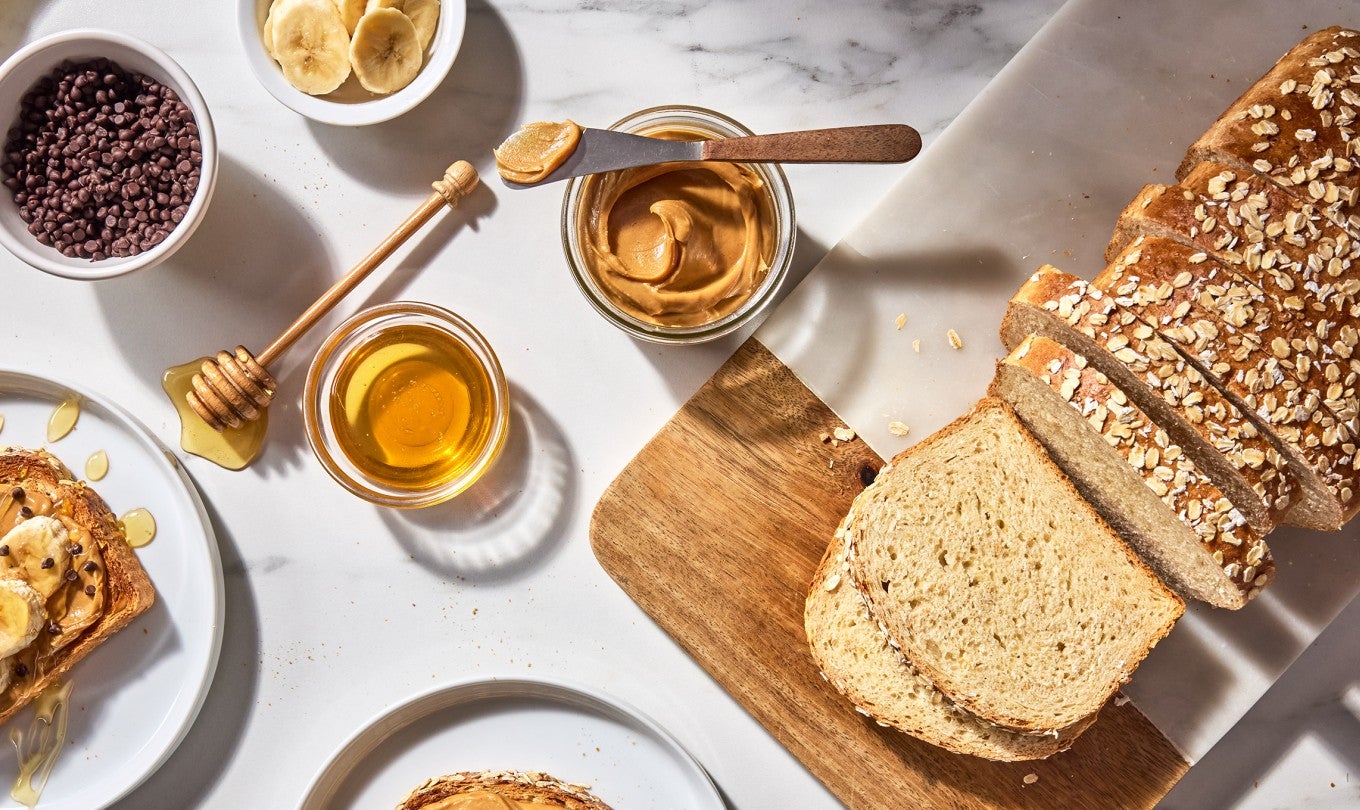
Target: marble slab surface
{"x": 337, "y": 610}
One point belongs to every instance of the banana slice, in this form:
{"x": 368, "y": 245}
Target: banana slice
{"x": 267, "y": 32}
{"x": 22, "y": 615}
{"x": 37, "y": 551}
{"x": 424, "y": 16}
{"x": 311, "y": 45}
{"x": 385, "y": 51}
{"x": 350, "y": 12}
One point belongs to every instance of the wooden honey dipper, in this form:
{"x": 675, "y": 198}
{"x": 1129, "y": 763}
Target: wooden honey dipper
{"x": 235, "y": 387}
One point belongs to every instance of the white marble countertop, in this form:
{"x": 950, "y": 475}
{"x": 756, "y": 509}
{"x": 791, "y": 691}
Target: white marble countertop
{"x": 337, "y": 609}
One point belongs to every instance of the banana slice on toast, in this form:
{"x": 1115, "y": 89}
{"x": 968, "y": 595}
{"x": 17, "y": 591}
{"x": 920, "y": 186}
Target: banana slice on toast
{"x": 23, "y": 612}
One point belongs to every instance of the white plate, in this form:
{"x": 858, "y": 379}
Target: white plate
{"x": 135, "y": 696}
{"x": 575, "y": 733}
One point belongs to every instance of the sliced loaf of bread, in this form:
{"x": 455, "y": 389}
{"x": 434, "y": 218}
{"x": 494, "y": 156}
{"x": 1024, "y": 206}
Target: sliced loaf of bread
{"x": 1297, "y": 125}
{"x": 855, "y": 657}
{"x": 1144, "y": 484}
{"x": 998, "y": 581}
{"x": 1264, "y": 468}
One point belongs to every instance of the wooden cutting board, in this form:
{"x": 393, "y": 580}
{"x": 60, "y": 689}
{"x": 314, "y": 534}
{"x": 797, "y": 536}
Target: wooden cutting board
{"x": 715, "y": 529}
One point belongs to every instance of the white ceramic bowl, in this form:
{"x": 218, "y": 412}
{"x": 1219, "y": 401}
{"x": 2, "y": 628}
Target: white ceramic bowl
{"x": 352, "y": 105}
{"x": 22, "y": 70}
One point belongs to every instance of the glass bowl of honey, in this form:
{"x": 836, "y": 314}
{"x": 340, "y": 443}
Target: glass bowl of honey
{"x": 406, "y": 405}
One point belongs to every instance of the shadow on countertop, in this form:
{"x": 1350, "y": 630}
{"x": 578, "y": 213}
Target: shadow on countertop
{"x": 1308, "y": 701}
{"x": 216, "y": 734}
{"x": 512, "y": 520}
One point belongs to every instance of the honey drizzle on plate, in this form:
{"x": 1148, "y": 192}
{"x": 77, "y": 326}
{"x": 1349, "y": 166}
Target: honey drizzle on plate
{"x": 233, "y": 448}
{"x": 97, "y": 465}
{"x": 39, "y": 746}
{"x": 63, "y": 419}
{"x": 139, "y": 526}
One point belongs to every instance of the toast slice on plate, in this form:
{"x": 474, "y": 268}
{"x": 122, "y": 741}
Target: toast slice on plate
{"x": 75, "y": 567}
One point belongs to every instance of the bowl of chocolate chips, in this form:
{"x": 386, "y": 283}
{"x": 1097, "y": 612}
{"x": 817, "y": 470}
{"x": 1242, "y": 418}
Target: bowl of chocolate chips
{"x": 109, "y": 156}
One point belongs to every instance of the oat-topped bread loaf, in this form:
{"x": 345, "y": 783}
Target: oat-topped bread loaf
{"x": 1144, "y": 484}
{"x": 998, "y": 581}
{"x": 855, "y": 657}
{"x": 68, "y": 579}
{"x": 476, "y": 790}
{"x": 1279, "y": 461}
{"x": 1263, "y": 358}
{"x": 1297, "y": 125}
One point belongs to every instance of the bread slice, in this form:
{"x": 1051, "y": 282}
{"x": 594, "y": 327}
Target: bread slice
{"x": 1296, "y": 125}
{"x": 530, "y": 787}
{"x": 1285, "y": 246}
{"x": 1260, "y": 456}
{"x": 1272, "y": 362}
{"x": 125, "y": 592}
{"x": 1144, "y": 484}
{"x": 997, "y": 581}
{"x": 854, "y": 656}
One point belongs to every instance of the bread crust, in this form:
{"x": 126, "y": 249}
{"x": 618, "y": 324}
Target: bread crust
{"x": 129, "y": 589}
{"x": 1213, "y": 528}
{"x": 1298, "y": 481}
{"x": 526, "y": 786}
{"x": 1274, "y": 362}
{"x": 1301, "y": 259}
{"x": 1296, "y": 125}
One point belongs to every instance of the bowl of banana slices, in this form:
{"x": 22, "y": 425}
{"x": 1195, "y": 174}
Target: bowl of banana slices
{"x": 351, "y": 62}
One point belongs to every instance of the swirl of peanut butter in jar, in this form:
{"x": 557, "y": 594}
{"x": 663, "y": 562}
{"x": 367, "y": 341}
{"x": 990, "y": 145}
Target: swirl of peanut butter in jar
{"x": 678, "y": 244}
{"x": 536, "y": 150}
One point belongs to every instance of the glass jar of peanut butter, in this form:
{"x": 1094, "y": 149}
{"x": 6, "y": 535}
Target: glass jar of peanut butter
{"x": 680, "y": 252}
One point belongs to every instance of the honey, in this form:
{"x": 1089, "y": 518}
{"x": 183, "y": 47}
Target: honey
{"x": 412, "y": 407}
{"x": 139, "y": 527}
{"x": 63, "y": 419}
{"x": 232, "y": 448}
{"x": 39, "y": 746}
{"x": 97, "y": 466}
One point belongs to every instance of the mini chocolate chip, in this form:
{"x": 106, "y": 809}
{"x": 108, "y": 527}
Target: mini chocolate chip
{"x": 48, "y": 562}
{"x": 71, "y": 575}
{"x": 17, "y": 493}
{"x": 25, "y": 512}
{"x": 54, "y": 628}
{"x": 89, "y": 590}
{"x": 90, "y": 567}
{"x": 77, "y": 550}
{"x": 4, "y": 551}
{"x": 21, "y": 670}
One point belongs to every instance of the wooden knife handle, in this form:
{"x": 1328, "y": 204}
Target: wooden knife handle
{"x": 876, "y": 143}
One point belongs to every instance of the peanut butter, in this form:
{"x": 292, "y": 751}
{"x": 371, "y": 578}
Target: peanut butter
{"x": 536, "y": 150}
{"x": 678, "y": 244}
{"x": 74, "y": 580}
{"x": 486, "y": 800}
